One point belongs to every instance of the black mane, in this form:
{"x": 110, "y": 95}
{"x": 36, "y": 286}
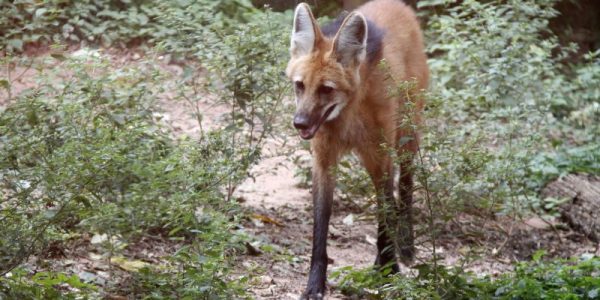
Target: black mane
{"x": 374, "y": 36}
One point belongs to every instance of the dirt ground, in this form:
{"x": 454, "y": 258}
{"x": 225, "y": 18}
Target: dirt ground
{"x": 281, "y": 210}
{"x": 282, "y": 223}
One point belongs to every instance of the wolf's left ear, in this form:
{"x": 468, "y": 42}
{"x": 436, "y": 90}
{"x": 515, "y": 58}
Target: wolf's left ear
{"x": 350, "y": 43}
{"x": 305, "y": 32}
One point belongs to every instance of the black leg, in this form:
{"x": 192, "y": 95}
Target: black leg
{"x": 405, "y": 232}
{"x": 323, "y": 185}
{"x": 386, "y": 217}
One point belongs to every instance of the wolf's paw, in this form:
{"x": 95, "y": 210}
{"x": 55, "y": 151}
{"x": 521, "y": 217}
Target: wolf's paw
{"x": 311, "y": 296}
{"x": 407, "y": 254}
{"x": 381, "y": 264}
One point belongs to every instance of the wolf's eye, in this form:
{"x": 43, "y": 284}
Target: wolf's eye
{"x": 325, "y": 90}
{"x": 299, "y": 85}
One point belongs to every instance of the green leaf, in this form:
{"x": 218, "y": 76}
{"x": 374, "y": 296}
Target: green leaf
{"x": 16, "y": 44}
{"x": 538, "y": 255}
{"x": 58, "y": 56}
{"x": 5, "y": 84}
{"x": 118, "y": 118}
{"x": 129, "y": 265}
{"x": 83, "y": 200}
{"x": 143, "y": 19}
{"x": 40, "y": 12}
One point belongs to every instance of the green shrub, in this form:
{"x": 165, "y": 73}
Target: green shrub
{"x": 102, "y": 22}
{"x": 560, "y": 279}
{"x": 87, "y": 154}
{"x": 501, "y": 100}
{"x": 108, "y": 22}
{"x": 44, "y": 285}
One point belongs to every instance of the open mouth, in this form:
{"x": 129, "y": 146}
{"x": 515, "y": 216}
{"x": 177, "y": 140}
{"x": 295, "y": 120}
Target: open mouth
{"x": 310, "y": 132}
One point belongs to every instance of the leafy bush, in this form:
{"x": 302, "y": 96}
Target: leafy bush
{"x": 500, "y": 101}
{"x": 244, "y": 63}
{"x": 44, "y": 285}
{"x": 51, "y": 21}
{"x": 87, "y": 154}
{"x": 241, "y": 63}
{"x": 107, "y": 22}
{"x": 561, "y": 279}
{"x": 489, "y": 92}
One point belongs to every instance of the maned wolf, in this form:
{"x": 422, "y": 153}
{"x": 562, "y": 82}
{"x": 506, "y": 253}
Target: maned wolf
{"x": 344, "y": 104}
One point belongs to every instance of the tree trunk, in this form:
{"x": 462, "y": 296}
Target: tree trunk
{"x": 582, "y": 210}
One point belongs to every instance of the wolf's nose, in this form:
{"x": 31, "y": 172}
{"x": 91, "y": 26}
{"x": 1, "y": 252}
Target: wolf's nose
{"x": 301, "y": 122}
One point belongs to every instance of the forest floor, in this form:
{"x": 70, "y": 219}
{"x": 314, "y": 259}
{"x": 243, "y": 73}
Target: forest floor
{"x": 281, "y": 222}
{"x": 281, "y": 214}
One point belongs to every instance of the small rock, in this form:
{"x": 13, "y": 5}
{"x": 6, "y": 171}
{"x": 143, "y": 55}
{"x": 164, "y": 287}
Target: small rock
{"x": 537, "y": 223}
{"x": 371, "y": 240}
{"x": 334, "y": 232}
{"x": 349, "y": 220}
{"x": 252, "y": 250}
{"x": 264, "y": 279}
{"x": 99, "y": 238}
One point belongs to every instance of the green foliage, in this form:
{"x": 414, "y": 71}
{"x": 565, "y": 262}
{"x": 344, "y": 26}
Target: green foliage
{"x": 550, "y": 280}
{"x": 245, "y": 62}
{"x": 560, "y": 279}
{"x": 488, "y": 60}
{"x": 107, "y": 22}
{"x": 196, "y": 271}
{"x": 43, "y": 285}
{"x": 241, "y": 64}
{"x": 503, "y": 109}
{"x": 87, "y": 154}
{"x": 51, "y": 21}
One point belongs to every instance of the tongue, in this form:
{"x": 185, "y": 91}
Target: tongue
{"x": 307, "y": 133}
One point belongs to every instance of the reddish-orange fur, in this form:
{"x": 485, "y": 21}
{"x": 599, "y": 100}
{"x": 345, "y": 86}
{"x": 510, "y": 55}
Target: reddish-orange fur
{"x": 370, "y": 113}
{"x": 371, "y": 116}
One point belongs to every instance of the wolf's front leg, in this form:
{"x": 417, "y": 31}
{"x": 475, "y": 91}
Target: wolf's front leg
{"x": 404, "y": 229}
{"x": 379, "y": 165}
{"x": 323, "y": 185}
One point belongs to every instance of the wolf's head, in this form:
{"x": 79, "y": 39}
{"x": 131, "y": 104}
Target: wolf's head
{"x": 324, "y": 71}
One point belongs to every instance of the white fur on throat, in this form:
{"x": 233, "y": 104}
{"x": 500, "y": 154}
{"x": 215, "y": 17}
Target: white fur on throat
{"x": 336, "y": 111}
{"x": 340, "y": 103}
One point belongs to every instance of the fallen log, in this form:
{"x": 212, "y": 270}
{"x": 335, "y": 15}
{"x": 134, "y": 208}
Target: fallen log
{"x": 582, "y": 209}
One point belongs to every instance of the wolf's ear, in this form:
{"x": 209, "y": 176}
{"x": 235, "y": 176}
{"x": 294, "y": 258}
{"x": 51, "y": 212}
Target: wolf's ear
{"x": 350, "y": 43}
{"x": 305, "y": 32}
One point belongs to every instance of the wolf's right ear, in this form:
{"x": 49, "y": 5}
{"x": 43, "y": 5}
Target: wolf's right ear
{"x": 350, "y": 43}
{"x": 305, "y": 32}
